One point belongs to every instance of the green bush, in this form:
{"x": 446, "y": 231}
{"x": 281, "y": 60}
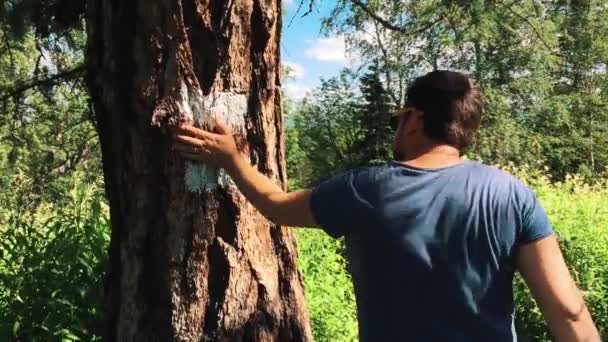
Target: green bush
{"x": 52, "y": 262}
{"x": 578, "y": 213}
{"x": 329, "y": 290}
{"x": 51, "y": 265}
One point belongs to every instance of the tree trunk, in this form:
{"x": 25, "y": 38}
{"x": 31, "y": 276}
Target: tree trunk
{"x": 190, "y": 259}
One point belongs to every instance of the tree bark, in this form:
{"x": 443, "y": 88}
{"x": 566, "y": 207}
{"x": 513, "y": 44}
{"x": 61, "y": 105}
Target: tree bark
{"x": 190, "y": 259}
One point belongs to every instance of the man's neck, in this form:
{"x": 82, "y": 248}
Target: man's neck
{"x": 434, "y": 156}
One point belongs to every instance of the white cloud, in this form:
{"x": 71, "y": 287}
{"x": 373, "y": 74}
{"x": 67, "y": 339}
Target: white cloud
{"x": 296, "y": 91}
{"x": 297, "y": 70}
{"x": 289, "y": 3}
{"x": 328, "y": 49}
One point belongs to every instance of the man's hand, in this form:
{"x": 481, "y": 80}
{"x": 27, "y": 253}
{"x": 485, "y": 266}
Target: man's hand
{"x": 217, "y": 148}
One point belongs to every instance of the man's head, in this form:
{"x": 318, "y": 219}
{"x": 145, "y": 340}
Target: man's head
{"x": 442, "y": 107}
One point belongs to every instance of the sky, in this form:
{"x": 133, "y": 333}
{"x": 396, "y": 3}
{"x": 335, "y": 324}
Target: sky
{"x": 310, "y": 54}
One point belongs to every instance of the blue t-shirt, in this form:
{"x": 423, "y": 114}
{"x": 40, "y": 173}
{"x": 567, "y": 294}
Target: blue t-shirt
{"x": 431, "y": 251}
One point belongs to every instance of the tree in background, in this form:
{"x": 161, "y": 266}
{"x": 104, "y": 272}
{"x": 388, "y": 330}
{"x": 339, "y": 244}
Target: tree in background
{"x": 327, "y": 127}
{"x": 343, "y": 124}
{"x": 541, "y": 65}
{"x": 52, "y": 214}
{"x": 573, "y": 120}
{"x": 374, "y": 144}
{"x": 46, "y": 127}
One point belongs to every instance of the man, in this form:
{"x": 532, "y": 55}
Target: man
{"x": 433, "y": 240}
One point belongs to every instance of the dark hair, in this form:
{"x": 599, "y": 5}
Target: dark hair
{"x": 451, "y": 105}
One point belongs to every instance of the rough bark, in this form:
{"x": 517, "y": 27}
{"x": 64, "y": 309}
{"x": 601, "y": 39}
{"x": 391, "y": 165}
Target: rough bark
{"x": 188, "y": 263}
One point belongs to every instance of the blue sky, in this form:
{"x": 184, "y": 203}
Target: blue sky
{"x": 306, "y": 50}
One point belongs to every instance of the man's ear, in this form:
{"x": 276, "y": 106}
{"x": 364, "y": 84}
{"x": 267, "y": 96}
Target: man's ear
{"x": 415, "y": 122}
{"x": 419, "y": 115}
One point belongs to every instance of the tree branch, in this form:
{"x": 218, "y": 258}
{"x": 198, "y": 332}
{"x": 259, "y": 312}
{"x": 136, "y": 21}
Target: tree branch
{"x": 387, "y": 74}
{"x": 389, "y": 25}
{"x": 534, "y": 28}
{"x": 34, "y": 83}
{"x": 9, "y": 49}
{"x": 311, "y": 4}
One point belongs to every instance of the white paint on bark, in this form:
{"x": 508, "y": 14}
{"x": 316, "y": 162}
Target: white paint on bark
{"x": 228, "y": 107}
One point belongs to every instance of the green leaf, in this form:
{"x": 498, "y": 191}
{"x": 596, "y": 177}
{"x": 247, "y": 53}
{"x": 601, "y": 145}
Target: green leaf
{"x": 71, "y": 337}
{"x": 85, "y": 264}
{"x": 16, "y": 327}
{"x": 19, "y": 299}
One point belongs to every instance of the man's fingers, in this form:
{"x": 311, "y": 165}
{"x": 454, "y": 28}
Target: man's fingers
{"x": 191, "y": 152}
{"x": 192, "y": 131}
{"x": 188, "y": 140}
{"x": 187, "y": 148}
{"x": 221, "y": 127}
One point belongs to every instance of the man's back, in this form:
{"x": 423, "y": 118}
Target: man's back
{"x": 431, "y": 248}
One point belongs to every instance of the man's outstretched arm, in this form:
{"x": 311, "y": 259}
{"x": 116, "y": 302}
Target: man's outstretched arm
{"x": 219, "y": 149}
{"x": 543, "y": 268}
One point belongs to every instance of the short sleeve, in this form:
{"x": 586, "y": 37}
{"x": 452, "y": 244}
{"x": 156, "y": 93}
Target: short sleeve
{"x": 338, "y": 204}
{"x": 535, "y": 223}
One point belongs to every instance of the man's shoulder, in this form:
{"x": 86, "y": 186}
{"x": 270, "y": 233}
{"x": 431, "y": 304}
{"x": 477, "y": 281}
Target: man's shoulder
{"x": 367, "y": 172}
{"x": 496, "y": 173}
{"x": 370, "y": 170}
{"x": 503, "y": 182}
{"x": 354, "y": 176}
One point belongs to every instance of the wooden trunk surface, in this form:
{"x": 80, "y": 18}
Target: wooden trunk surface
{"x": 187, "y": 265}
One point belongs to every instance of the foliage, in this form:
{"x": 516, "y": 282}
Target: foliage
{"x": 51, "y": 267}
{"x": 328, "y": 287}
{"x": 326, "y": 127}
{"x": 541, "y": 65}
{"x": 48, "y": 17}
{"x": 296, "y": 176}
{"x": 578, "y": 212}
{"x": 54, "y": 259}
{"x": 53, "y": 220}
{"x": 46, "y": 132}
{"x": 373, "y": 114}
{"x": 343, "y": 124}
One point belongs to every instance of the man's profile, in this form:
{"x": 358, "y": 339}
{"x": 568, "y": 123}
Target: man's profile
{"x": 434, "y": 240}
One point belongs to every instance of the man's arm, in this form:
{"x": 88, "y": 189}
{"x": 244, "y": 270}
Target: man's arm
{"x": 291, "y": 209}
{"x": 219, "y": 148}
{"x": 543, "y": 268}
